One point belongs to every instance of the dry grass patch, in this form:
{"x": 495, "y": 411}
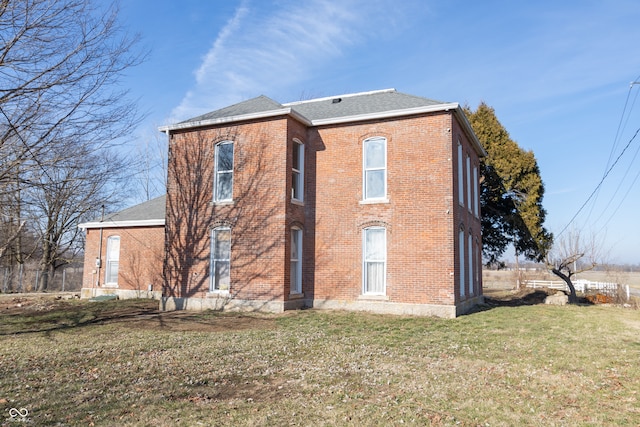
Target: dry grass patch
{"x": 525, "y": 365}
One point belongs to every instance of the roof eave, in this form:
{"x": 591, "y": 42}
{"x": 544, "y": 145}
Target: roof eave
{"x": 122, "y": 224}
{"x": 386, "y": 114}
{"x": 239, "y": 118}
{"x": 470, "y": 133}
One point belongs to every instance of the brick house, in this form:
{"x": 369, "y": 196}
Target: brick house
{"x": 366, "y": 201}
{"x": 124, "y": 252}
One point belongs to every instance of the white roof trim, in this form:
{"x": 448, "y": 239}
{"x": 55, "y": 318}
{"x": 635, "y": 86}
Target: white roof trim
{"x": 338, "y": 120}
{"x": 470, "y": 133}
{"x": 230, "y": 119}
{"x": 347, "y": 95}
{"x": 386, "y": 114}
{"x": 122, "y": 224}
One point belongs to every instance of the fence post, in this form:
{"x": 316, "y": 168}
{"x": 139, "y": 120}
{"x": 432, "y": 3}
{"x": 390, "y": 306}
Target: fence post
{"x": 20, "y": 278}
{"x": 64, "y": 273}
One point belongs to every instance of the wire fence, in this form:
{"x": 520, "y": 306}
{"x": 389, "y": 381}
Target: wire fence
{"x": 23, "y": 278}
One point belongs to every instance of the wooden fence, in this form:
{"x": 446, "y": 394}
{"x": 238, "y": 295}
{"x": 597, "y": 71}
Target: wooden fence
{"x": 584, "y": 286}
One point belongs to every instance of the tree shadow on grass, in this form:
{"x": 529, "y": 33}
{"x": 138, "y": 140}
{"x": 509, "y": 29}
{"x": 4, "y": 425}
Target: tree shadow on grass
{"x": 139, "y": 314}
{"x": 523, "y": 297}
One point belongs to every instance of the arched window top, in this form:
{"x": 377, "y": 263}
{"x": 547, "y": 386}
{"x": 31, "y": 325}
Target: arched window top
{"x": 376, "y": 138}
{"x": 376, "y": 223}
{"x": 221, "y": 223}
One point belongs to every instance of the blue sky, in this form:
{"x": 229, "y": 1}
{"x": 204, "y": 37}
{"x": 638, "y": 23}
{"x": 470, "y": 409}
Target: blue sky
{"x": 558, "y": 75}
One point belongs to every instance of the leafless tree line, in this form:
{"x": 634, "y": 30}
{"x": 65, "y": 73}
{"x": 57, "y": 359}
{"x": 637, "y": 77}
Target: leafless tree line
{"x": 62, "y": 117}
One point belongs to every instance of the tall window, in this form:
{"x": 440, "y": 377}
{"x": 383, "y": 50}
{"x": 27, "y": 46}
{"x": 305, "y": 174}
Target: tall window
{"x": 296, "y": 261}
{"x": 297, "y": 170}
{"x": 223, "y": 187}
{"x": 113, "y": 260}
{"x": 375, "y": 168}
{"x": 374, "y": 260}
{"x": 220, "y": 259}
{"x": 461, "y": 258}
{"x": 470, "y": 254}
{"x": 477, "y": 270}
{"x": 468, "y": 183}
{"x": 476, "y": 186}
{"x": 460, "y": 176}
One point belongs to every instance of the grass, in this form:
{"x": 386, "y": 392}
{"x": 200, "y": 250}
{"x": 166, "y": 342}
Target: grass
{"x": 120, "y": 363}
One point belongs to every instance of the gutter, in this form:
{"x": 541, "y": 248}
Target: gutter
{"x": 122, "y": 224}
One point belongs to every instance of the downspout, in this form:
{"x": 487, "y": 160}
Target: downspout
{"x": 99, "y": 259}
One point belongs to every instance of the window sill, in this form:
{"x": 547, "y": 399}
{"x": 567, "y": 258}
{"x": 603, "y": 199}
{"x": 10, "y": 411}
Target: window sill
{"x": 297, "y": 202}
{"x": 222, "y": 202}
{"x": 373, "y": 297}
{"x": 110, "y": 285}
{"x": 217, "y": 294}
{"x": 296, "y": 295}
{"x": 373, "y": 201}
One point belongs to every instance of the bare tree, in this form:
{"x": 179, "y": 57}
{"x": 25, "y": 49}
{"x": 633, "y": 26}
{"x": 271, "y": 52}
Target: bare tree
{"x": 68, "y": 194}
{"x": 60, "y": 62}
{"x": 572, "y": 254}
{"x": 151, "y": 180}
{"x": 62, "y": 112}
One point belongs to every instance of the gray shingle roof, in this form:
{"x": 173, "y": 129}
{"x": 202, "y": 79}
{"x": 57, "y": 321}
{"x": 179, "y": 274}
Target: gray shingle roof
{"x": 152, "y": 209}
{"x": 359, "y": 104}
{"x": 325, "y": 108}
{"x": 145, "y": 214}
{"x": 331, "y": 110}
{"x": 251, "y": 106}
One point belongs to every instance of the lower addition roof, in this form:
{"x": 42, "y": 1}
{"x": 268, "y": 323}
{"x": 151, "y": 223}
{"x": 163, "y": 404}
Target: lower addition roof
{"x": 147, "y": 214}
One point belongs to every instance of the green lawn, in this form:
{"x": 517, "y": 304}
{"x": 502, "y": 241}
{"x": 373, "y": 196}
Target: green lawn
{"x": 118, "y": 363}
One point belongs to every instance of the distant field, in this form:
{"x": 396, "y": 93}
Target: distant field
{"x": 507, "y": 279}
{"x": 121, "y": 363}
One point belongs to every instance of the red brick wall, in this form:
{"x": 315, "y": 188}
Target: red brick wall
{"x": 141, "y": 257}
{"x": 465, "y": 217}
{"x": 256, "y": 216}
{"x": 422, "y": 216}
{"x": 418, "y": 217}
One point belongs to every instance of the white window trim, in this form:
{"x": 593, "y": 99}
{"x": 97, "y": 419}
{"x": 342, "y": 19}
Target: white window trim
{"x": 478, "y": 259}
{"x": 462, "y": 259}
{"x": 470, "y": 251}
{"x": 107, "y": 276}
{"x": 384, "y": 197}
{"x": 217, "y": 172}
{"x": 212, "y": 262}
{"x": 468, "y": 170}
{"x": 460, "y": 176}
{"x": 300, "y": 172}
{"x": 476, "y": 186}
{"x": 296, "y": 288}
{"x": 365, "y": 260}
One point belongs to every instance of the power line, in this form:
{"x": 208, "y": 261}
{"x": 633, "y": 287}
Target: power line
{"x": 608, "y": 168}
{"x": 601, "y": 181}
{"x": 619, "y": 131}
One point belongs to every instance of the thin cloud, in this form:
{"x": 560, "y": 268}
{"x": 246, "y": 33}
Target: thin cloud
{"x": 262, "y": 51}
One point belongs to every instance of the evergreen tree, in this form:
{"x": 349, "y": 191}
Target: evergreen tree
{"x": 511, "y": 192}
